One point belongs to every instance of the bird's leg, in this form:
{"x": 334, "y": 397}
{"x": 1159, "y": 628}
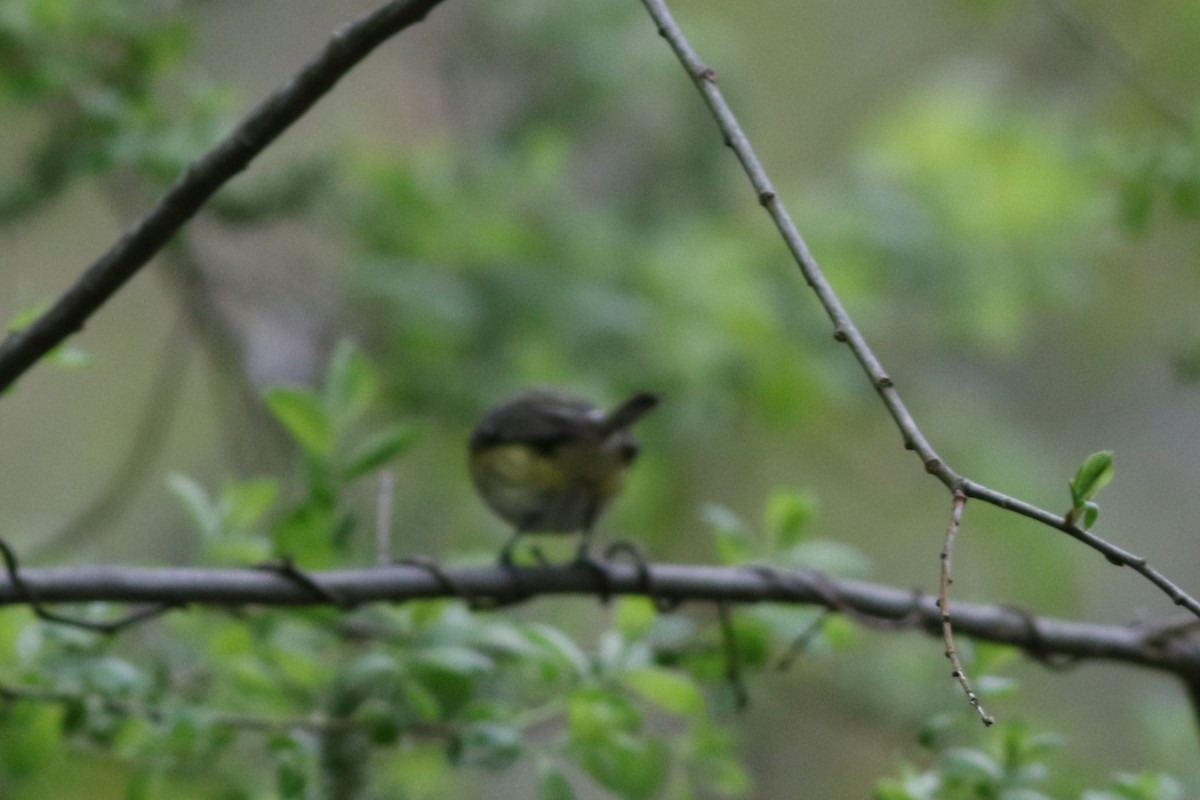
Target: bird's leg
{"x": 506, "y": 553}
{"x": 585, "y": 559}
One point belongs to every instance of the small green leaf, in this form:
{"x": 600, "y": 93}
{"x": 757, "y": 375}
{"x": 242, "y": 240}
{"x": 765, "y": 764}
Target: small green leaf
{"x": 631, "y": 767}
{"x": 64, "y": 355}
{"x": 380, "y": 719}
{"x": 491, "y": 745}
{"x": 350, "y": 384}
{"x": 995, "y": 686}
{"x": 667, "y": 690}
{"x": 1093, "y": 475}
{"x": 195, "y": 499}
{"x": 70, "y": 357}
{"x": 302, "y": 416}
{"x": 1090, "y": 512}
{"x": 1011, "y": 793}
{"x": 306, "y": 534}
{"x": 732, "y": 538}
{"x": 634, "y": 616}
{"x": 245, "y": 502}
{"x": 560, "y": 647}
{"x": 379, "y": 450}
{"x": 971, "y": 765}
{"x": 290, "y": 776}
{"x": 555, "y": 786}
{"x": 787, "y": 514}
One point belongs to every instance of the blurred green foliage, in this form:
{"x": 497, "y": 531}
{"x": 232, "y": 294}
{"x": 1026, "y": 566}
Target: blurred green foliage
{"x": 576, "y": 222}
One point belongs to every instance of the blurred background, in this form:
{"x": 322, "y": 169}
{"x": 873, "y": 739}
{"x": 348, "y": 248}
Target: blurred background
{"x": 1004, "y": 194}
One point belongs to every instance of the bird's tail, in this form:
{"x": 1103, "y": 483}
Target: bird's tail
{"x": 630, "y": 411}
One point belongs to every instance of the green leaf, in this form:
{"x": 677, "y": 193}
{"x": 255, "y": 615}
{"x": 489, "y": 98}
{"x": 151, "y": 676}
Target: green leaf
{"x": 629, "y": 766}
{"x": 560, "y": 647}
{"x": 491, "y": 745}
{"x": 114, "y": 677}
{"x": 306, "y": 535}
{"x": 380, "y": 719}
{"x": 996, "y": 686}
{"x": 379, "y": 450}
{"x": 458, "y": 660}
{"x": 245, "y": 502}
{"x": 555, "y": 786}
{"x": 1093, "y": 475}
{"x": 931, "y": 732}
{"x": 350, "y": 384}
{"x": 1090, "y": 512}
{"x": 301, "y": 415}
{"x": 973, "y": 766}
{"x": 141, "y": 785}
{"x": 594, "y": 712}
{"x": 290, "y": 775}
{"x": 634, "y": 616}
{"x": 732, "y": 538}
{"x": 788, "y": 512}
{"x": 195, "y": 500}
{"x": 37, "y": 744}
{"x": 373, "y": 672}
{"x": 1022, "y": 794}
{"x": 64, "y": 355}
{"x": 665, "y": 689}
{"x": 70, "y": 357}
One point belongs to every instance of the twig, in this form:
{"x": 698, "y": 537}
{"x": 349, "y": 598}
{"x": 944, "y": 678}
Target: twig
{"x": 383, "y": 517}
{"x": 733, "y": 657}
{"x": 1110, "y": 53}
{"x": 960, "y": 500}
{"x": 844, "y": 329}
{"x": 348, "y": 46}
{"x": 799, "y": 644}
{"x": 244, "y": 722}
{"x": 13, "y": 569}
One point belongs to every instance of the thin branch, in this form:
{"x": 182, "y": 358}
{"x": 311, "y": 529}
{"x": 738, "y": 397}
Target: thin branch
{"x": 194, "y": 586}
{"x": 844, "y": 329}
{"x": 733, "y": 657}
{"x": 221, "y": 719}
{"x": 383, "y": 517}
{"x": 1112, "y": 56}
{"x": 348, "y": 46}
{"x": 944, "y": 581}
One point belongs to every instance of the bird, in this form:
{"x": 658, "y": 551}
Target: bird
{"x": 549, "y": 462}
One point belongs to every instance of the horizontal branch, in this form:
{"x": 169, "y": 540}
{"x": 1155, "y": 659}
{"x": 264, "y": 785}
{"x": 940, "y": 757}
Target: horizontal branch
{"x": 202, "y": 179}
{"x": 1045, "y": 638}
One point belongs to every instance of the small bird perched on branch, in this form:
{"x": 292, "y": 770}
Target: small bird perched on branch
{"x": 550, "y": 463}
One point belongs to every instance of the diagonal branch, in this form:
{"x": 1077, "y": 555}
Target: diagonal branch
{"x": 844, "y": 329}
{"x": 258, "y": 129}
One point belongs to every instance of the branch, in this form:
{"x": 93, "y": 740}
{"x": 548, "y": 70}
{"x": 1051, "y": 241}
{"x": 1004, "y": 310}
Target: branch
{"x": 1042, "y": 637}
{"x": 959, "y": 674}
{"x": 844, "y": 329}
{"x": 1112, "y": 56}
{"x": 348, "y": 46}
